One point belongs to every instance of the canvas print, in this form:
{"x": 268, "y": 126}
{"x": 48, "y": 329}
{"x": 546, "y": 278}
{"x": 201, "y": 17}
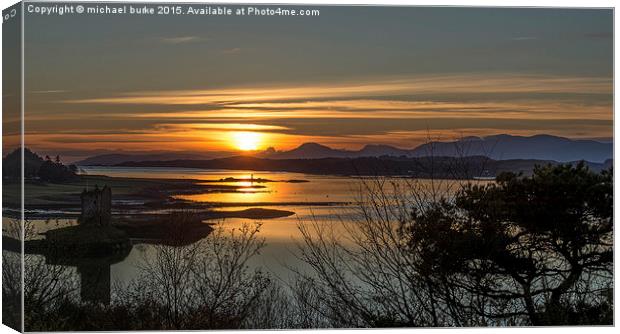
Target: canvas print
{"x": 172, "y": 166}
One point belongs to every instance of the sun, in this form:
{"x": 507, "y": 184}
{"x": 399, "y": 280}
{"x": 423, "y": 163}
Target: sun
{"x": 247, "y": 141}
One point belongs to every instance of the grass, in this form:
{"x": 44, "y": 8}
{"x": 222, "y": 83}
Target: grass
{"x": 135, "y": 198}
{"x": 86, "y": 235}
{"x": 39, "y": 194}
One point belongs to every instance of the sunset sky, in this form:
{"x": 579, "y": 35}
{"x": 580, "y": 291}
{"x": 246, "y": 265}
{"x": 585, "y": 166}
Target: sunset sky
{"x": 350, "y": 77}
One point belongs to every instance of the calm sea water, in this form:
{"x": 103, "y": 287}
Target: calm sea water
{"x": 326, "y": 200}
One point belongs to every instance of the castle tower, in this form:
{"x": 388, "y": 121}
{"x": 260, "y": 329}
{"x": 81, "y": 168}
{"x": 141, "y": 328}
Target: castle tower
{"x": 96, "y": 207}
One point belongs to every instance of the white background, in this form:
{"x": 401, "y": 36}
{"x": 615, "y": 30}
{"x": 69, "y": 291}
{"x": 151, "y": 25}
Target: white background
{"x": 488, "y": 3}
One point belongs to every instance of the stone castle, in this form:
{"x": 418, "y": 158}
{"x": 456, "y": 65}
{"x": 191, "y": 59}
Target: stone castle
{"x": 96, "y": 207}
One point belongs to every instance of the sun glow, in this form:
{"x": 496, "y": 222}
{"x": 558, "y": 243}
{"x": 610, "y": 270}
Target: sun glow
{"x": 247, "y": 141}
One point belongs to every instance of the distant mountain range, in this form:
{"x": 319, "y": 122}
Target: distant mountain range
{"x": 503, "y": 147}
{"x": 423, "y": 167}
{"x": 318, "y": 151}
{"x": 497, "y": 147}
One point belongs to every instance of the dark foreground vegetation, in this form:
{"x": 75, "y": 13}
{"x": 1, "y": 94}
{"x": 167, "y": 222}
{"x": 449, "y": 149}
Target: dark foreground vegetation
{"x": 36, "y": 168}
{"x": 522, "y": 251}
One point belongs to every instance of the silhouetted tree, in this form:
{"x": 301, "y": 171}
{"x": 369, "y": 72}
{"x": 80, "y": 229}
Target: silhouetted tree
{"x": 537, "y": 247}
{"x": 50, "y": 171}
{"x": 12, "y": 164}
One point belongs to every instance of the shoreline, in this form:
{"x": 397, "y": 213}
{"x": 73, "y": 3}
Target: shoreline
{"x": 143, "y": 198}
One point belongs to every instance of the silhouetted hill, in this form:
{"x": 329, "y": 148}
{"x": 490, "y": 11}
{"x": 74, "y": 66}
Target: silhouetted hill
{"x": 499, "y": 147}
{"x": 309, "y": 151}
{"x": 438, "y": 167}
{"x": 382, "y": 150}
{"x": 318, "y": 151}
{"x": 11, "y": 164}
{"x": 502, "y": 147}
{"x": 35, "y": 167}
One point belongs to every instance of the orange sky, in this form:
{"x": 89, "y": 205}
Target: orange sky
{"x": 399, "y": 111}
{"x": 350, "y": 77}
